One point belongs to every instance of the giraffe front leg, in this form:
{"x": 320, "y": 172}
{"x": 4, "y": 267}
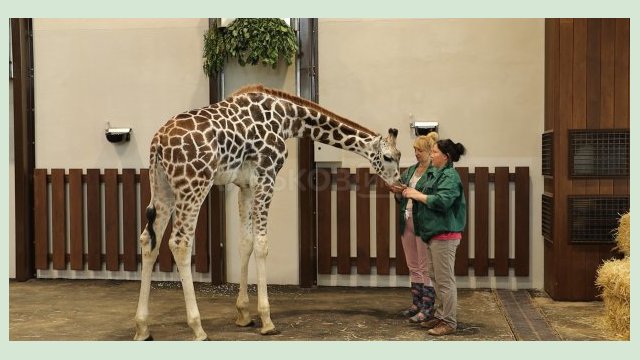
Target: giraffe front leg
{"x": 245, "y": 249}
{"x": 242, "y": 303}
{"x": 264, "y": 310}
{"x": 263, "y": 185}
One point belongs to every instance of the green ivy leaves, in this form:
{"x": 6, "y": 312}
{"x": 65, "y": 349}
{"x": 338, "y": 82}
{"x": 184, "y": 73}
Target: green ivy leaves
{"x": 250, "y": 41}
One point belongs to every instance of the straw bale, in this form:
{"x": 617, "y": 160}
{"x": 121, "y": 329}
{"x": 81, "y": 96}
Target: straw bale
{"x": 614, "y": 281}
{"x": 623, "y": 235}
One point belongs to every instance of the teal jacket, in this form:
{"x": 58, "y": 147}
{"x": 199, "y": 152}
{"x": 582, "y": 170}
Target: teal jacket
{"x": 446, "y": 208}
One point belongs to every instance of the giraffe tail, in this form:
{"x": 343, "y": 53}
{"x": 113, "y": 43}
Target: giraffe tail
{"x": 153, "y": 178}
{"x": 151, "y": 217}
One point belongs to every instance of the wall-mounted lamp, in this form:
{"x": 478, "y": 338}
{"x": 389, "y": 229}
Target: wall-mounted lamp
{"x": 423, "y": 127}
{"x": 117, "y": 135}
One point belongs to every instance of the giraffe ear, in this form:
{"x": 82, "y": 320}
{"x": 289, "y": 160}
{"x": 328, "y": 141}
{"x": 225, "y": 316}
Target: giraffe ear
{"x": 376, "y": 142}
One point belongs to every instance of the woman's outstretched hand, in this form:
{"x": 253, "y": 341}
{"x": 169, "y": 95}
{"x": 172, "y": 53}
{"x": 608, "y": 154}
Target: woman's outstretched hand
{"x": 396, "y": 188}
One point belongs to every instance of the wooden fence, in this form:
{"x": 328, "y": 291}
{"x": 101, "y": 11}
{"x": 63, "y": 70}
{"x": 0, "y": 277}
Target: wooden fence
{"x": 103, "y": 209}
{"x": 92, "y": 221}
{"x": 363, "y": 183}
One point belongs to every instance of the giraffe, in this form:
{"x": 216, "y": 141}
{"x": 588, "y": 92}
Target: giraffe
{"x": 239, "y": 140}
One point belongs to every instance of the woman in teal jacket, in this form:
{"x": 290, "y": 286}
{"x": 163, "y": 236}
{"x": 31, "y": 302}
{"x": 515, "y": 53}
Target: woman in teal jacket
{"x": 440, "y": 214}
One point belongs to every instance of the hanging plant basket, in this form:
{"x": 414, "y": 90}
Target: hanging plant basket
{"x": 250, "y": 41}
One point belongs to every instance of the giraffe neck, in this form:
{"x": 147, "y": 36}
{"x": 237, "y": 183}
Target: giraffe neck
{"x": 297, "y": 117}
{"x": 332, "y": 130}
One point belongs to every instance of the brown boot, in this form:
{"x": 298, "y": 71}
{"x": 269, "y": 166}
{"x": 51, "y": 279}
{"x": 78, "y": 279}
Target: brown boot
{"x": 442, "y": 329}
{"x": 430, "y": 324}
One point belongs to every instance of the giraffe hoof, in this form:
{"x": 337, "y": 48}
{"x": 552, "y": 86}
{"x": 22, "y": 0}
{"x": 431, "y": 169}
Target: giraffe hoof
{"x": 270, "y": 332}
{"x": 251, "y": 323}
{"x": 150, "y": 338}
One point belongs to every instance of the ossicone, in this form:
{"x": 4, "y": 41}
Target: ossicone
{"x": 393, "y": 134}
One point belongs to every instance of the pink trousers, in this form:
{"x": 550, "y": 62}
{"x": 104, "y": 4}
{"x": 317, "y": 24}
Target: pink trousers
{"x": 415, "y": 252}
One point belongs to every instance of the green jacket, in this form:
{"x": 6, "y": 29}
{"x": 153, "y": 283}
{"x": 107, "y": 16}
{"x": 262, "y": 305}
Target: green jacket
{"x": 446, "y": 208}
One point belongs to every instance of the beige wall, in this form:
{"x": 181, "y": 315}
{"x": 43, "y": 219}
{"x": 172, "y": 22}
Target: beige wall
{"x": 481, "y": 79}
{"x": 129, "y": 72}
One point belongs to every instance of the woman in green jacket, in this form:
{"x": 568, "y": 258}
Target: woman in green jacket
{"x": 440, "y": 214}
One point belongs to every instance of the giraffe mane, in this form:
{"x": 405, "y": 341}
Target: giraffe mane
{"x": 302, "y": 102}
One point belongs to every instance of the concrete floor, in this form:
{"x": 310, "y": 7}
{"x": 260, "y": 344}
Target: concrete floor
{"x": 104, "y": 310}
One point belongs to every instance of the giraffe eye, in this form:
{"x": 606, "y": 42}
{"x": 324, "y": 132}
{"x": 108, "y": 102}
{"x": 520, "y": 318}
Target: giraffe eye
{"x": 387, "y": 158}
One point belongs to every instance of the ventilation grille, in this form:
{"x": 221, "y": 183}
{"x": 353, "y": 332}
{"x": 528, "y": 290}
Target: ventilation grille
{"x": 547, "y": 154}
{"x": 547, "y": 217}
{"x": 598, "y": 153}
{"x": 595, "y": 219}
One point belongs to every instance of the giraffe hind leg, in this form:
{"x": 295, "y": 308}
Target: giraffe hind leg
{"x": 150, "y": 249}
{"x": 180, "y": 243}
{"x": 158, "y": 215}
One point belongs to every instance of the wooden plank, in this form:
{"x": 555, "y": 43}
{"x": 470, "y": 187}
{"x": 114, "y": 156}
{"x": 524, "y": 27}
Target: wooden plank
{"x": 621, "y": 186}
{"x": 501, "y": 222}
{"x": 323, "y": 178}
{"x": 343, "y": 223}
{"x": 41, "y": 219}
{"x": 564, "y": 267}
{"x": 23, "y": 146}
{"x": 579, "y": 110}
{"x": 202, "y": 238}
{"x": 217, "y": 215}
{"x": 552, "y": 52}
{"x": 522, "y": 216}
{"x": 94, "y": 220}
{"x": 145, "y": 197}
{"x": 461, "y": 267}
{"x": 607, "y": 83}
{"x": 363, "y": 223}
{"x": 76, "y": 219}
{"x": 481, "y": 258}
{"x": 579, "y": 120}
{"x": 596, "y": 255}
{"x": 111, "y": 219}
{"x": 401, "y": 260}
{"x": 307, "y": 228}
{"x": 129, "y": 223}
{"x": 606, "y": 187}
{"x": 382, "y": 228}
{"x": 579, "y": 253}
{"x": 165, "y": 258}
{"x": 594, "y": 29}
{"x": 548, "y": 124}
{"x": 621, "y": 71}
{"x": 58, "y": 219}
{"x": 621, "y": 84}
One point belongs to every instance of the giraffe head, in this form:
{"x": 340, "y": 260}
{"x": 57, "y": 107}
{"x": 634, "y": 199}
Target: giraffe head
{"x": 386, "y": 158}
